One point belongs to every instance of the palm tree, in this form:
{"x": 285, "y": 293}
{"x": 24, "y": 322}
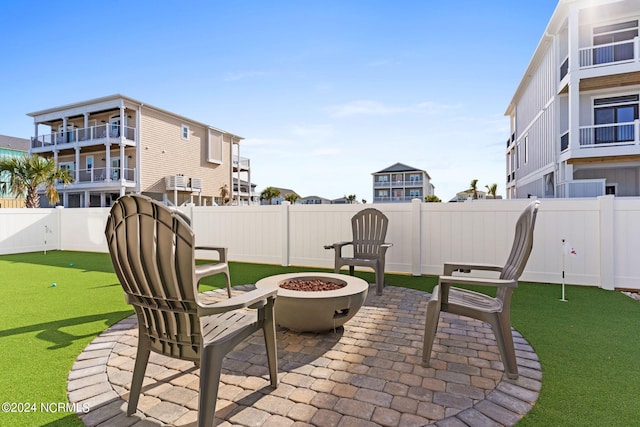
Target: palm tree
{"x": 492, "y": 190}
{"x": 269, "y": 194}
{"x": 291, "y": 197}
{"x": 224, "y": 193}
{"x": 474, "y": 188}
{"x": 26, "y": 174}
{"x": 351, "y": 198}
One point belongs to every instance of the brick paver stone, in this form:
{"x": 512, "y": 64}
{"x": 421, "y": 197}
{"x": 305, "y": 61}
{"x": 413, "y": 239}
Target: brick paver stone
{"x": 368, "y": 373}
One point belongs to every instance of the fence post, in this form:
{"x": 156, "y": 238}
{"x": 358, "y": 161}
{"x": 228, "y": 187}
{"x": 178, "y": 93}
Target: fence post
{"x": 416, "y": 237}
{"x": 286, "y": 229}
{"x": 607, "y": 244}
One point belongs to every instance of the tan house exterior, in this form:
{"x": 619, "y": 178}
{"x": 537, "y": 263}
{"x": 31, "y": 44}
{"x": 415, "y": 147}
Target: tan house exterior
{"x": 116, "y": 145}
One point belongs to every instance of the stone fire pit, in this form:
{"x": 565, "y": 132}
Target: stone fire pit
{"x": 305, "y": 309}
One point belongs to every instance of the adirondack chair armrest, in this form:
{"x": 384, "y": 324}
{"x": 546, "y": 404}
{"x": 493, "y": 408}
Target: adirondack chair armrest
{"x": 445, "y": 281}
{"x": 450, "y": 267}
{"x": 253, "y": 299}
{"x": 222, "y": 252}
{"x": 338, "y": 247}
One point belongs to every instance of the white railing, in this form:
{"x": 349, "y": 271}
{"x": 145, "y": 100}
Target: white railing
{"x": 97, "y": 134}
{"x": 610, "y": 53}
{"x": 582, "y": 188}
{"x": 603, "y": 230}
{"x": 241, "y": 163}
{"x": 610, "y": 134}
{"x": 183, "y": 183}
{"x": 404, "y": 183}
{"x": 395, "y": 199}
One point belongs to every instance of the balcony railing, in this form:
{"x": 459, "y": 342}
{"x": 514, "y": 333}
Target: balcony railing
{"x": 101, "y": 175}
{"x": 98, "y": 133}
{"x": 609, "y": 134}
{"x": 610, "y": 53}
{"x": 395, "y": 199}
{"x": 182, "y": 183}
{"x": 405, "y": 183}
{"x": 582, "y": 188}
{"x": 241, "y": 163}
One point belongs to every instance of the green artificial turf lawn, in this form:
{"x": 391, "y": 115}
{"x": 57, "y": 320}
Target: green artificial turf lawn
{"x": 589, "y": 347}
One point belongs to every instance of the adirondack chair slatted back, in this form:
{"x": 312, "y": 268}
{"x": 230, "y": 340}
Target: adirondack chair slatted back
{"x": 151, "y": 271}
{"x": 369, "y": 231}
{"x": 522, "y": 243}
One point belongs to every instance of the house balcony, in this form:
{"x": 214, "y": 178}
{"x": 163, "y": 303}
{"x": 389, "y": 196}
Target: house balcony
{"x": 182, "y": 183}
{"x": 612, "y": 139}
{"x": 102, "y": 178}
{"x": 598, "y": 64}
{"x": 396, "y": 199}
{"x": 398, "y": 184}
{"x": 610, "y": 54}
{"x": 241, "y": 164}
{"x": 104, "y": 134}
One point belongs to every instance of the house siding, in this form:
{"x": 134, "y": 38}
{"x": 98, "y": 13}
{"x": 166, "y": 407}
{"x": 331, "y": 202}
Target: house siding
{"x": 164, "y": 153}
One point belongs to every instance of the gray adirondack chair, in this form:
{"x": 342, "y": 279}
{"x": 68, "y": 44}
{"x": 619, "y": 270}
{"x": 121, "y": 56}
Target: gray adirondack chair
{"x": 369, "y": 227}
{"x": 152, "y": 250}
{"x": 495, "y": 311}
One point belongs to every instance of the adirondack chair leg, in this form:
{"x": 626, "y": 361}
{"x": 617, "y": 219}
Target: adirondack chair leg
{"x": 379, "y": 279}
{"x": 212, "y": 358}
{"x": 431, "y": 325}
{"x": 502, "y": 330}
{"x": 142, "y": 357}
{"x": 228, "y": 283}
{"x": 351, "y": 270}
{"x": 269, "y": 332}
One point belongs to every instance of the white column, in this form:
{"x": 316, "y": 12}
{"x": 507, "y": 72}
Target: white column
{"x": 123, "y": 117}
{"x": 107, "y": 158}
{"x": 416, "y": 237}
{"x": 77, "y": 149}
{"x": 286, "y": 241}
{"x": 122, "y": 162}
{"x": 607, "y": 242}
{"x": 574, "y": 80}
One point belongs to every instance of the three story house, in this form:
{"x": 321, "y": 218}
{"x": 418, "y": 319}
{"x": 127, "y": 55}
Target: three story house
{"x": 574, "y": 116}
{"x": 116, "y": 144}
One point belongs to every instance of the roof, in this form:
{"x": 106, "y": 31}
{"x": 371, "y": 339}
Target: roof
{"x": 401, "y": 167}
{"x": 118, "y": 96}
{"x": 13, "y": 143}
{"x": 285, "y": 191}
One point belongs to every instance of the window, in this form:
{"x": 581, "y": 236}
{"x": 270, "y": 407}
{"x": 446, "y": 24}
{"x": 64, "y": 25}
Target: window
{"x": 89, "y": 163}
{"x": 383, "y": 178}
{"x": 613, "y": 38}
{"x": 67, "y": 166}
{"x": 619, "y": 112}
{"x": 185, "y": 132}
{"x": 214, "y": 152}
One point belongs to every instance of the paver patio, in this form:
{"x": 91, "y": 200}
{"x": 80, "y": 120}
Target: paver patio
{"x": 365, "y": 374}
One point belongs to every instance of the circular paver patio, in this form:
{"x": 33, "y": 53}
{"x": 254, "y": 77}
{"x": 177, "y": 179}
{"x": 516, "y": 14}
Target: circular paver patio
{"x": 367, "y": 373}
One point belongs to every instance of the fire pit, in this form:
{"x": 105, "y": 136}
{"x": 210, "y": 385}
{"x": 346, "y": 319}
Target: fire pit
{"x": 315, "y": 301}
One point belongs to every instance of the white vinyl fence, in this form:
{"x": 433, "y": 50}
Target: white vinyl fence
{"x": 604, "y": 231}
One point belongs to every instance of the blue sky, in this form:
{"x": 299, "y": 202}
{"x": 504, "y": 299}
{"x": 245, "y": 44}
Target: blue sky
{"x": 324, "y": 93}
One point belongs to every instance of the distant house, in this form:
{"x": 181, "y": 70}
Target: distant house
{"x": 574, "y": 117}
{"x": 281, "y": 198}
{"x": 315, "y": 200}
{"x": 116, "y": 145}
{"x": 11, "y": 147}
{"x": 468, "y": 194}
{"x": 400, "y": 183}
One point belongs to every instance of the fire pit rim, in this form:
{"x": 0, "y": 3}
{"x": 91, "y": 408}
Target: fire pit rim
{"x": 351, "y": 283}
